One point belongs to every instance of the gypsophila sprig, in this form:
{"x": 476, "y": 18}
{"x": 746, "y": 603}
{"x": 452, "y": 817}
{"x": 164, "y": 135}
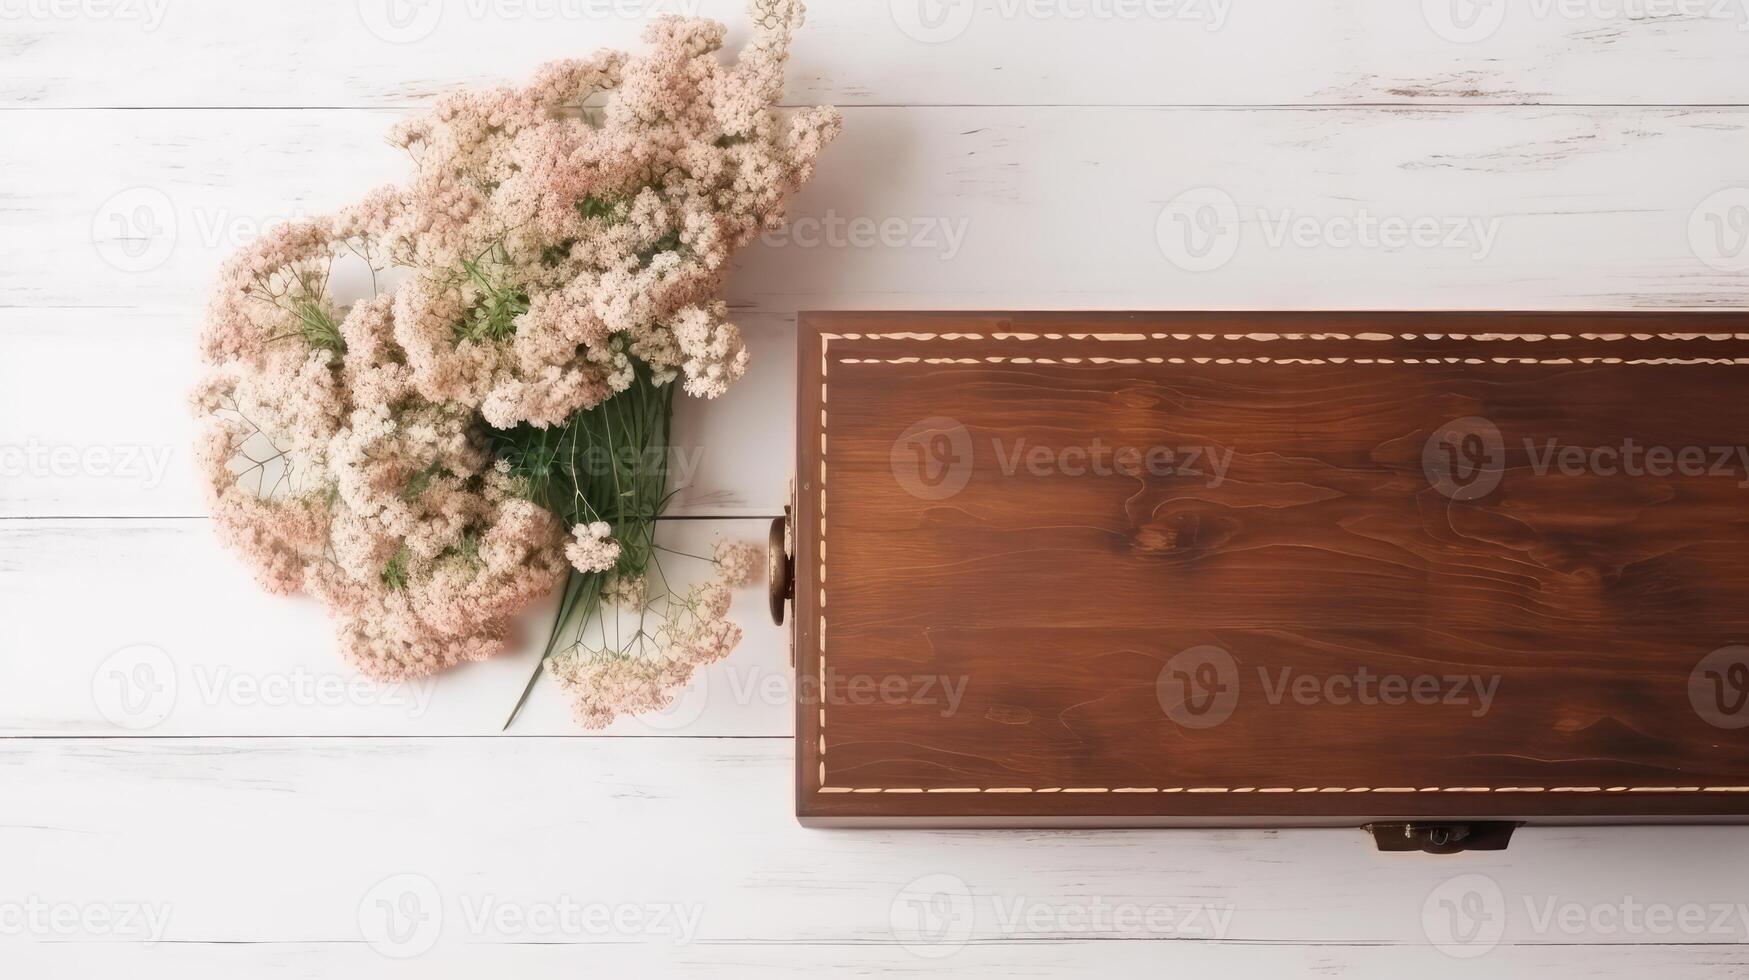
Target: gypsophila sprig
{"x": 424, "y": 456}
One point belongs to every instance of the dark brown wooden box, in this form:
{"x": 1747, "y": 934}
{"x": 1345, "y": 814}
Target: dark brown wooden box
{"x": 1179, "y": 569}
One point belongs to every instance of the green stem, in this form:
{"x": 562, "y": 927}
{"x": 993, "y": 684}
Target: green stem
{"x": 576, "y": 585}
{"x": 565, "y": 473}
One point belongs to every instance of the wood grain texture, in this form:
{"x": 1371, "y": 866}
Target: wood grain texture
{"x": 1166, "y": 636}
{"x": 312, "y": 826}
{"x": 350, "y": 53}
{"x": 980, "y": 207}
{"x": 762, "y": 960}
{"x": 121, "y": 443}
{"x": 148, "y": 628}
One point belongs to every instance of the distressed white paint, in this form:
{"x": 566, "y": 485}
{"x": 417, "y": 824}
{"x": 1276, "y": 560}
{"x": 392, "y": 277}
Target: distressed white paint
{"x": 221, "y": 657}
{"x": 1036, "y": 154}
{"x": 904, "y": 52}
{"x": 120, "y": 442}
{"x": 1054, "y": 207}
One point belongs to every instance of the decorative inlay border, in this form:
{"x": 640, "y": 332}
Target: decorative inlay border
{"x": 826, "y": 360}
{"x": 1369, "y": 337}
{"x": 825, "y": 342}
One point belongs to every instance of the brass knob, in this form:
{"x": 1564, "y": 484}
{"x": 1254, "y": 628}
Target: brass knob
{"x": 780, "y": 570}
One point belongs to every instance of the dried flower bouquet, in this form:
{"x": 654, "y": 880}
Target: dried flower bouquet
{"x": 487, "y": 415}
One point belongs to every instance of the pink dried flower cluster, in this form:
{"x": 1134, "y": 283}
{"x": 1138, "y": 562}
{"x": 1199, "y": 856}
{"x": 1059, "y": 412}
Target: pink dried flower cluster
{"x": 545, "y": 244}
{"x": 738, "y": 562}
{"x": 695, "y": 632}
{"x": 592, "y": 549}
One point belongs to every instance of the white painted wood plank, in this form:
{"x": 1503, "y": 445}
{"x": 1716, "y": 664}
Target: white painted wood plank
{"x": 758, "y": 961}
{"x": 283, "y": 841}
{"x": 897, "y": 52}
{"x": 276, "y": 844}
{"x": 148, "y": 627}
{"x": 119, "y": 441}
{"x": 1003, "y": 208}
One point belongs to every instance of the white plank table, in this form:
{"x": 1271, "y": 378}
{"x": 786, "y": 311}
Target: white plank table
{"x": 192, "y": 786}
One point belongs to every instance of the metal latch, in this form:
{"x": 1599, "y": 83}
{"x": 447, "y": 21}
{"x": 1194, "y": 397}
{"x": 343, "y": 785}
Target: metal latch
{"x": 1443, "y": 838}
{"x": 780, "y": 568}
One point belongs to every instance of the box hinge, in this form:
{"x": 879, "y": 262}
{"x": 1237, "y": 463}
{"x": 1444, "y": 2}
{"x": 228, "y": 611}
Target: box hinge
{"x": 1443, "y": 838}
